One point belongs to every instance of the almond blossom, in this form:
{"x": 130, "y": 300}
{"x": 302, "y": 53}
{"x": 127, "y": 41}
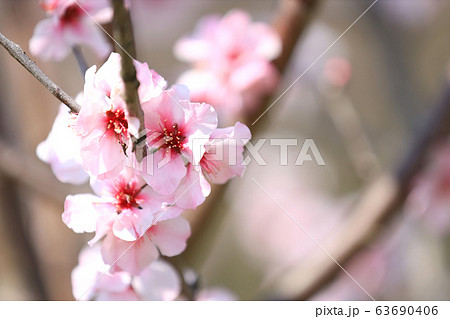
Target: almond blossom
{"x": 177, "y": 131}
{"x": 167, "y": 237}
{"x": 223, "y": 158}
{"x": 104, "y": 124}
{"x": 61, "y": 149}
{"x": 71, "y": 23}
{"x": 230, "y": 60}
{"x": 92, "y": 280}
{"x": 124, "y": 205}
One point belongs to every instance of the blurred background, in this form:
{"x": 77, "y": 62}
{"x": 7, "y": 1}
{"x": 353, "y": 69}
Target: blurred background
{"x": 377, "y": 83}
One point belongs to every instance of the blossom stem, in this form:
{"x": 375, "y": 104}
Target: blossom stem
{"x": 80, "y": 59}
{"x": 123, "y": 33}
{"x": 17, "y": 53}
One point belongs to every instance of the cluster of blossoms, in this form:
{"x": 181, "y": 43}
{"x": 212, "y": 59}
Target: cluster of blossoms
{"x": 230, "y": 59}
{"x": 137, "y": 206}
{"x": 71, "y": 23}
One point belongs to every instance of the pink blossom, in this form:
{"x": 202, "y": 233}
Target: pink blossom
{"x": 61, "y": 149}
{"x": 177, "y": 131}
{"x": 125, "y": 206}
{"x": 223, "y": 158}
{"x": 71, "y": 23}
{"x": 103, "y": 123}
{"x": 192, "y": 190}
{"x": 231, "y": 62}
{"x": 167, "y": 237}
{"x": 92, "y": 280}
{"x": 159, "y": 282}
{"x": 108, "y": 81}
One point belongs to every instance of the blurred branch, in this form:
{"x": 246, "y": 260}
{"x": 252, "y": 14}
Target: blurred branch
{"x": 348, "y": 124}
{"x": 80, "y": 59}
{"x": 290, "y": 22}
{"x": 123, "y": 33}
{"x": 18, "y": 236}
{"x": 17, "y": 53}
{"x": 381, "y": 200}
{"x": 30, "y": 173}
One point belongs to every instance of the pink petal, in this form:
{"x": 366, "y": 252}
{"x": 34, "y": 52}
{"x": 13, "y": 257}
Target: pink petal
{"x": 170, "y": 236}
{"x": 162, "y": 172}
{"x": 131, "y": 257}
{"x": 80, "y": 214}
{"x": 61, "y": 149}
{"x": 193, "y": 190}
{"x": 132, "y": 223}
{"x": 48, "y": 41}
{"x": 159, "y": 282}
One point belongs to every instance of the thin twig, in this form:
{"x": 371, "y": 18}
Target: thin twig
{"x": 381, "y": 200}
{"x": 123, "y": 33}
{"x": 17, "y": 53}
{"x": 80, "y": 59}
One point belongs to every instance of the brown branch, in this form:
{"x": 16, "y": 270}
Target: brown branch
{"x": 17, "y": 235}
{"x": 123, "y": 34}
{"x": 291, "y": 20}
{"x": 31, "y": 173}
{"x": 378, "y": 203}
{"x": 17, "y": 53}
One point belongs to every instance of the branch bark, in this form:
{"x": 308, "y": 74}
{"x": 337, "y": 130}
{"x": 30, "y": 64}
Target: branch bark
{"x": 17, "y": 53}
{"x": 381, "y": 200}
{"x": 123, "y": 34}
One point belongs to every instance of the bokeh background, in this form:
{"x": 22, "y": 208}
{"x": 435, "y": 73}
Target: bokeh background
{"x": 384, "y": 75}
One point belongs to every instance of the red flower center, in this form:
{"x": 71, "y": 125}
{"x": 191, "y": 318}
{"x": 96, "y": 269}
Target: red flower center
{"x": 127, "y": 197}
{"x": 116, "y": 122}
{"x": 172, "y": 138}
{"x": 71, "y": 14}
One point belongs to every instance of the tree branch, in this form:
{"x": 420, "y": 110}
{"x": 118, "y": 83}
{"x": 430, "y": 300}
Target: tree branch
{"x": 291, "y": 20}
{"x": 381, "y": 200}
{"x": 80, "y": 60}
{"x": 32, "y": 174}
{"x": 123, "y": 33}
{"x": 17, "y": 53}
